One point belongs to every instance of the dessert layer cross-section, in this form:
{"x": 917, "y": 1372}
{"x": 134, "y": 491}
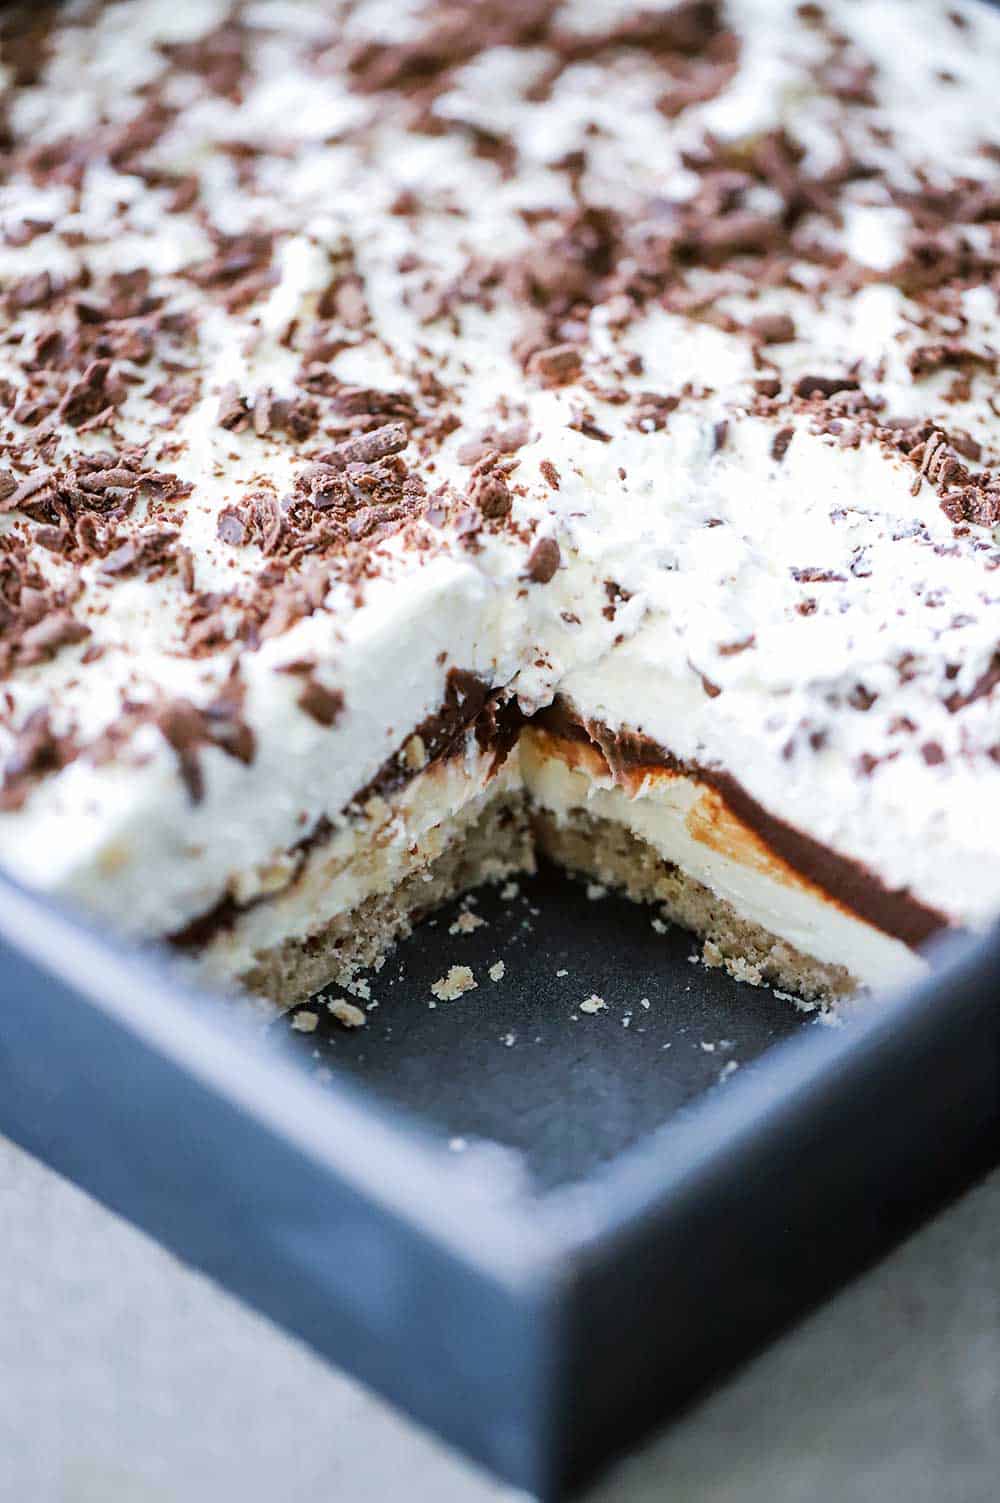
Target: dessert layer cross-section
{"x": 435, "y": 433}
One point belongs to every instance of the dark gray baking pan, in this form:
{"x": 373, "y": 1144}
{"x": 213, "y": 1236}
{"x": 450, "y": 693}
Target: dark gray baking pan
{"x": 539, "y": 1230}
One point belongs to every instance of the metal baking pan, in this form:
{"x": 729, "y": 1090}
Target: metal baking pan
{"x": 538, "y": 1230}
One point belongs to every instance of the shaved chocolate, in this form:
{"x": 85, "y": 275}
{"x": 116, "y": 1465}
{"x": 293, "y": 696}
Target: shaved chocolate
{"x": 543, "y": 560}
{"x": 773, "y": 328}
{"x": 94, "y": 394}
{"x": 218, "y": 58}
{"x": 390, "y": 438}
{"x": 228, "y": 730}
{"x": 949, "y": 353}
{"x": 27, "y": 231}
{"x": 490, "y": 493}
{"x": 780, "y": 443}
{"x": 31, "y": 292}
{"x": 234, "y": 410}
{"x": 41, "y": 641}
{"x": 33, "y": 486}
{"x": 449, "y": 40}
{"x": 268, "y": 523}
{"x": 584, "y": 423}
{"x": 731, "y": 649}
{"x": 321, "y": 704}
{"x": 188, "y": 728}
{"x": 501, "y": 440}
{"x": 113, "y": 478}
{"x": 240, "y": 272}
{"x": 811, "y": 574}
{"x": 652, "y": 411}
{"x": 182, "y": 725}
{"x": 262, "y": 412}
{"x": 981, "y": 689}
{"x": 178, "y": 393}
{"x": 142, "y": 551}
{"x": 558, "y": 366}
{"x": 933, "y": 260}
{"x": 231, "y": 526}
{"x": 824, "y": 386}
{"x": 38, "y": 751}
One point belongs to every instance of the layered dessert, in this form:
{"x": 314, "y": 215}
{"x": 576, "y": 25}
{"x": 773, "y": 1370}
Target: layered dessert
{"x": 439, "y": 433}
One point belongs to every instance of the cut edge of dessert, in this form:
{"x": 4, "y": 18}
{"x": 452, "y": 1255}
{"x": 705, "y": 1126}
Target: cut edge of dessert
{"x": 770, "y": 904}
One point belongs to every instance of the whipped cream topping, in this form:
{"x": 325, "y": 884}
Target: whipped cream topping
{"x": 673, "y": 335}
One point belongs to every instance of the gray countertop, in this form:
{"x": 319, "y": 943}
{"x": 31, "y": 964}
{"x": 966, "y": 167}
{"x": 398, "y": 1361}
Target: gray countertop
{"x": 128, "y": 1377}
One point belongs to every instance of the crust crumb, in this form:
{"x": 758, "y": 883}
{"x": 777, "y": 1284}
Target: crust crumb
{"x": 466, "y": 923}
{"x": 345, "y": 1012}
{"x": 458, "y": 980}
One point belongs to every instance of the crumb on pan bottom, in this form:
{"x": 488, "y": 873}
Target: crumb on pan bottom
{"x": 498, "y": 844}
{"x": 611, "y": 854}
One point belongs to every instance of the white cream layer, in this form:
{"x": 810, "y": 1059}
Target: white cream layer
{"x": 677, "y": 816}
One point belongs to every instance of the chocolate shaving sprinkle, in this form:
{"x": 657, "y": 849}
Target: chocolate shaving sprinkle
{"x": 42, "y": 481}
{"x": 949, "y": 353}
{"x": 142, "y": 551}
{"x": 731, "y": 649}
{"x": 188, "y": 729}
{"x": 38, "y": 751}
{"x": 95, "y": 394}
{"x": 182, "y": 725}
{"x": 59, "y": 629}
{"x": 234, "y": 410}
{"x": 323, "y": 705}
{"x": 824, "y": 386}
{"x": 390, "y": 438}
{"x": 773, "y": 328}
{"x": 489, "y": 492}
{"x": 543, "y": 560}
{"x": 559, "y": 366}
{"x": 780, "y": 443}
{"x": 813, "y": 575}
{"x": 584, "y": 423}
{"x": 231, "y": 526}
